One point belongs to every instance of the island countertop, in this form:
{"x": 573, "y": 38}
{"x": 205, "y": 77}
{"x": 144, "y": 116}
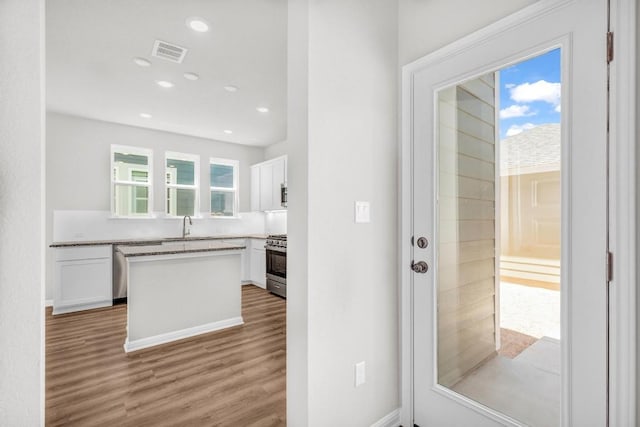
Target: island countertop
{"x": 176, "y": 248}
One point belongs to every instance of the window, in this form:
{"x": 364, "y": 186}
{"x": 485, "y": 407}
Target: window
{"x": 131, "y": 181}
{"x": 181, "y": 178}
{"x": 223, "y": 176}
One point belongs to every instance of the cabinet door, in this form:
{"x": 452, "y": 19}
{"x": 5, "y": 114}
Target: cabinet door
{"x": 278, "y": 178}
{"x": 266, "y": 187}
{"x": 82, "y": 284}
{"x": 255, "y": 188}
{"x": 258, "y": 263}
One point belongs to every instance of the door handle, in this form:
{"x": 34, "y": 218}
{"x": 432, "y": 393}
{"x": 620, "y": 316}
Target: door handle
{"x": 419, "y": 267}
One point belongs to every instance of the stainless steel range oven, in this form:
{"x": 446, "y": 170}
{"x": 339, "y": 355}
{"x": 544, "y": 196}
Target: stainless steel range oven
{"x": 276, "y": 251}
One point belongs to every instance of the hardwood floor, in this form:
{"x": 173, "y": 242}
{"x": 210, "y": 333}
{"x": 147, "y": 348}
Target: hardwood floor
{"x": 234, "y": 377}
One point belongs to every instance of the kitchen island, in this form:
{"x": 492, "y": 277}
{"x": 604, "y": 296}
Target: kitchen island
{"x": 180, "y": 290}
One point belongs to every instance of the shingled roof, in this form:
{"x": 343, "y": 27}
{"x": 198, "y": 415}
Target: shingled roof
{"x": 531, "y": 151}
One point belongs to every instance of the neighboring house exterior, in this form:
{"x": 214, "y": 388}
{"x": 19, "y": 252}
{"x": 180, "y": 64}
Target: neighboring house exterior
{"x": 530, "y": 206}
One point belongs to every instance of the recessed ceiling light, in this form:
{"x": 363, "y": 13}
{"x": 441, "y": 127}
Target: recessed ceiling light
{"x": 163, "y": 83}
{"x": 142, "y": 62}
{"x": 231, "y": 88}
{"x": 263, "y": 109}
{"x": 191, "y": 76}
{"x": 198, "y": 24}
{"x": 145, "y": 115}
{"x": 228, "y": 132}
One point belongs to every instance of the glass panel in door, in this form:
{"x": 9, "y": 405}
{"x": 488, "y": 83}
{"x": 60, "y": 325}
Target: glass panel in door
{"x": 498, "y": 241}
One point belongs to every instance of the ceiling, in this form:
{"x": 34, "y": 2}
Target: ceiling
{"x": 91, "y": 45}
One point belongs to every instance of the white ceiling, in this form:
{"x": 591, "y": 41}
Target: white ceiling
{"x": 91, "y": 44}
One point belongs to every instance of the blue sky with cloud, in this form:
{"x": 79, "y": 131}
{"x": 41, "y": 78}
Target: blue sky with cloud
{"x": 530, "y": 94}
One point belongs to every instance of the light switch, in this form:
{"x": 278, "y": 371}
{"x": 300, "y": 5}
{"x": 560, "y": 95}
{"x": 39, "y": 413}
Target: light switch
{"x": 363, "y": 212}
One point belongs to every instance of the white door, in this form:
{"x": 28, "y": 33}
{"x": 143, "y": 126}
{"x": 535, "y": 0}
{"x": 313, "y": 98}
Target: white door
{"x": 578, "y": 29}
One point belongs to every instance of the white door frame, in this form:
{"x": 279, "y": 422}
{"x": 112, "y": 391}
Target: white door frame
{"x": 622, "y": 206}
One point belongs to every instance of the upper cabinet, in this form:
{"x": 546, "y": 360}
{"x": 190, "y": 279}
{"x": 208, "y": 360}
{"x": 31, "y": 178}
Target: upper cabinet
{"x": 267, "y": 181}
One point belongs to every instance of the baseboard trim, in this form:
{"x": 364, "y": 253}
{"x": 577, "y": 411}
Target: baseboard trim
{"x": 130, "y": 346}
{"x": 81, "y": 307}
{"x": 392, "y": 419}
{"x": 249, "y": 282}
{"x": 48, "y": 303}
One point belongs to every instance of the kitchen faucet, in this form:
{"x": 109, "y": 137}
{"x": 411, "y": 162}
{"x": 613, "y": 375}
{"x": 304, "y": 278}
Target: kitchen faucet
{"x": 186, "y": 231}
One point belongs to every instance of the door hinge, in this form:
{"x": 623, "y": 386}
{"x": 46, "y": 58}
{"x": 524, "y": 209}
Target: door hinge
{"x": 609, "y": 267}
{"x": 609, "y": 47}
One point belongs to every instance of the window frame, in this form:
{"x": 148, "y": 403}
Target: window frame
{"x": 235, "y": 190}
{"x": 195, "y": 158}
{"x": 139, "y": 151}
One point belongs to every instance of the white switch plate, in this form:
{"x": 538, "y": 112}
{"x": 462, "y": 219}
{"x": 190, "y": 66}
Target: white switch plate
{"x": 360, "y": 374}
{"x": 362, "y": 212}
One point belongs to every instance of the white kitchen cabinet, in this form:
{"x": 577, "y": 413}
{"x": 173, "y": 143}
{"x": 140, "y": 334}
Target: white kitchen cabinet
{"x": 258, "y": 263}
{"x": 266, "y": 181}
{"x": 278, "y": 177}
{"x": 82, "y": 278}
{"x": 266, "y": 187}
{"x": 255, "y": 188}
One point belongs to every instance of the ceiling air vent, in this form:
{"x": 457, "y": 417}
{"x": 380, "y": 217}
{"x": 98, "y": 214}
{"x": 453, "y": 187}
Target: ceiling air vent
{"x": 168, "y": 51}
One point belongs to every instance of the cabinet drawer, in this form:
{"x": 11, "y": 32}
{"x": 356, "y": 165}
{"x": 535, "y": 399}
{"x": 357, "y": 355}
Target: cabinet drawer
{"x": 83, "y": 252}
{"x": 277, "y": 288}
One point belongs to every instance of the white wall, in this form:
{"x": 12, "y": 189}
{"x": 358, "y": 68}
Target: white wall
{"x": 85, "y": 144}
{"x": 278, "y": 149}
{"x": 21, "y": 213}
{"x": 425, "y": 26}
{"x": 349, "y": 270}
{"x": 78, "y": 159}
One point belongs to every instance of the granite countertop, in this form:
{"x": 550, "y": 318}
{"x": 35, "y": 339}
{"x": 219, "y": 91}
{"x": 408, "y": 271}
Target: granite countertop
{"x": 176, "y": 248}
{"x": 154, "y": 240}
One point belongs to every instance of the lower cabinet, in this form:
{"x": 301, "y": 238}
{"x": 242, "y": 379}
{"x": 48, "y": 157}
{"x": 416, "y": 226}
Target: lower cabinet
{"x": 254, "y": 262}
{"x": 82, "y": 278}
{"x": 258, "y": 266}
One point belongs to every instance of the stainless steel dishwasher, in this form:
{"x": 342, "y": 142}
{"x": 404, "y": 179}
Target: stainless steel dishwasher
{"x": 119, "y": 277}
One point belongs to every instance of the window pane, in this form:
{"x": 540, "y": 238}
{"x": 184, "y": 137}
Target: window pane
{"x": 222, "y": 203}
{"x": 139, "y": 176}
{"x": 221, "y": 176}
{"x": 180, "y": 172}
{"x": 130, "y": 200}
{"x": 181, "y": 201}
{"x": 130, "y": 167}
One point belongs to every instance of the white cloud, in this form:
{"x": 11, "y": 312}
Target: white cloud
{"x": 557, "y": 109}
{"x": 541, "y": 90}
{"x": 510, "y": 85}
{"x": 516, "y": 129}
{"x": 516, "y": 111}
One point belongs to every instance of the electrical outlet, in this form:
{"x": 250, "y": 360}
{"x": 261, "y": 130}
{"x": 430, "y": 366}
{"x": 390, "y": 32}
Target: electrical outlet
{"x": 360, "y": 374}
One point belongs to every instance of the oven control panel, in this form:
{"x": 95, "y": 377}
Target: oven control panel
{"x": 278, "y": 241}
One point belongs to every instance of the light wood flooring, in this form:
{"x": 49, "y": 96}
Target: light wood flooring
{"x": 234, "y": 377}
